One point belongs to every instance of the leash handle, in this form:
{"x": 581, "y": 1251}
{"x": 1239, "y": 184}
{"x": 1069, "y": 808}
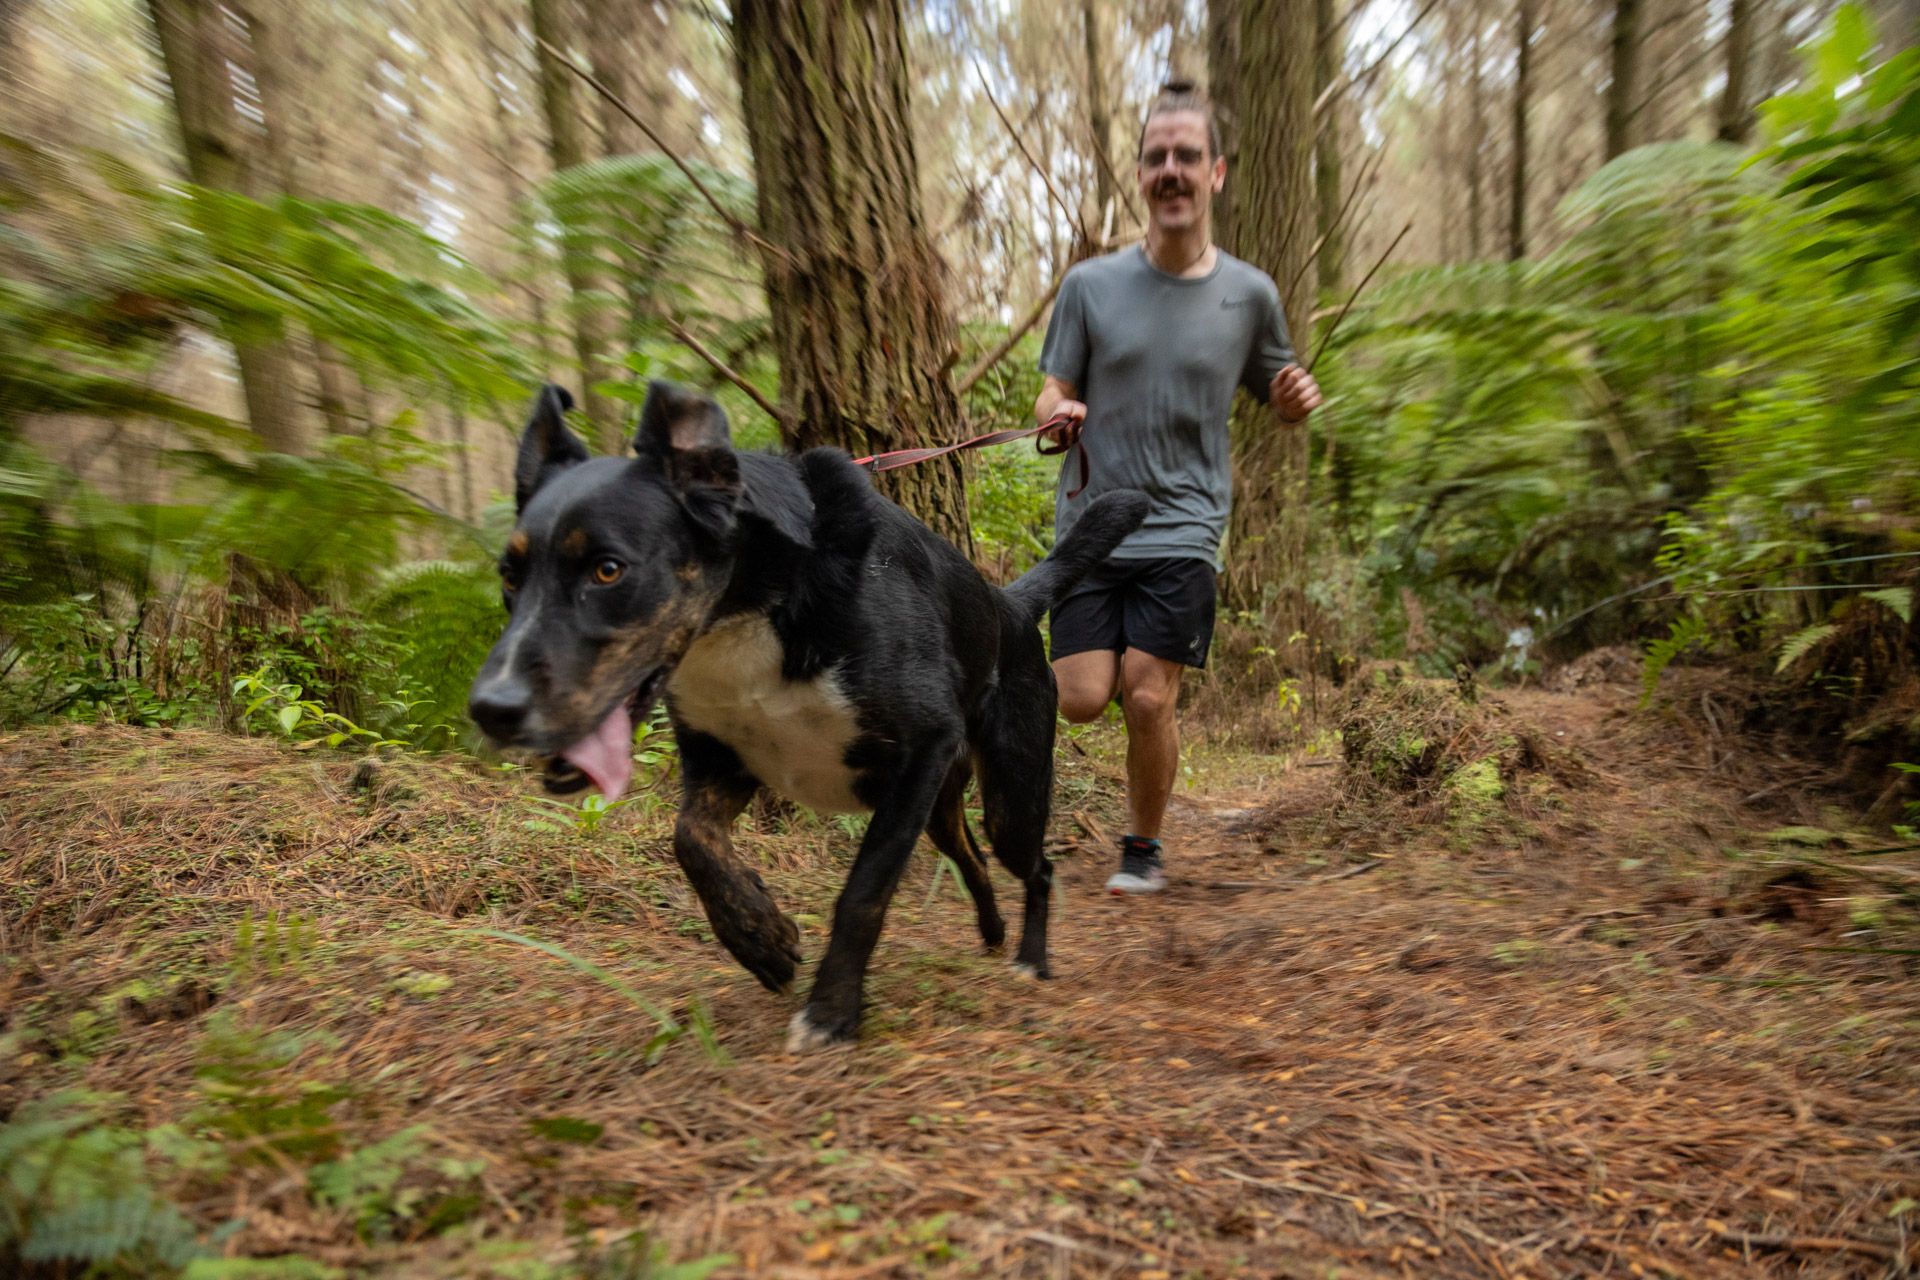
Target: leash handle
{"x": 897, "y": 458}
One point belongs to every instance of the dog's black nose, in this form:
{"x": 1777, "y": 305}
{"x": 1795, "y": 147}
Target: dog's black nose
{"x": 499, "y": 706}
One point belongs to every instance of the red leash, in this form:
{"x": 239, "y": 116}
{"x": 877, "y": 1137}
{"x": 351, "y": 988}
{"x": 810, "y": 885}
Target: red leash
{"x": 907, "y": 457}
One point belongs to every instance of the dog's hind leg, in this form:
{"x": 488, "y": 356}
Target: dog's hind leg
{"x": 833, "y": 1009}
{"x": 947, "y": 828}
{"x": 743, "y": 915}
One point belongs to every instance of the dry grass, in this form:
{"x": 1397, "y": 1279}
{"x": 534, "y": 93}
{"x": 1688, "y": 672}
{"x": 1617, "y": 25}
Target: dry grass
{"x": 1606, "y": 1029}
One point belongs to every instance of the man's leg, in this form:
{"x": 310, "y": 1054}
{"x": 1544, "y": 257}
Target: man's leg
{"x": 1149, "y": 693}
{"x": 1087, "y": 683}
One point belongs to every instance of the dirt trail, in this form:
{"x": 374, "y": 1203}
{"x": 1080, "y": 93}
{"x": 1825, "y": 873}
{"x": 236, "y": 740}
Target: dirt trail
{"x": 1584, "y": 1039}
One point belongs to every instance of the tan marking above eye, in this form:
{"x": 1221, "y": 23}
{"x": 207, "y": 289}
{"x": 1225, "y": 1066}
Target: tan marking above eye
{"x": 518, "y": 542}
{"x": 575, "y": 542}
{"x": 607, "y": 572}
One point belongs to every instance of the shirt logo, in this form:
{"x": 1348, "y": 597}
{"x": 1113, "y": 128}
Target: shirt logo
{"x": 1235, "y": 302}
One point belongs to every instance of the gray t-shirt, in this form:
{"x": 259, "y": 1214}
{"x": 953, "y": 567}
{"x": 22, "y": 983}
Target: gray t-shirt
{"x": 1156, "y": 358}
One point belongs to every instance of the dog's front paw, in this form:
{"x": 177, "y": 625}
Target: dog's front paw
{"x": 765, "y": 942}
{"x": 804, "y": 1035}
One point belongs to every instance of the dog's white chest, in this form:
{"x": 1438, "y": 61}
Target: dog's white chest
{"x": 792, "y": 734}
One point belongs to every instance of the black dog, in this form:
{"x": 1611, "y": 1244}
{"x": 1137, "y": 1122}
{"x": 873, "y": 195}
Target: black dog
{"x": 809, "y": 636}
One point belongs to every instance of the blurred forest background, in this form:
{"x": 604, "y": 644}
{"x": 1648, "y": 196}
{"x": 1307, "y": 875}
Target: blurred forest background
{"x": 1616, "y": 303}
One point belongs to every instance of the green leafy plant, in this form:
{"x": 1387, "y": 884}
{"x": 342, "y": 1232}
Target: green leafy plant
{"x": 254, "y": 1097}
{"x": 295, "y": 716}
{"x": 76, "y": 1189}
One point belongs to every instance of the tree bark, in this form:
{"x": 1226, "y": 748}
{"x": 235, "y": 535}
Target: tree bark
{"x": 1099, "y": 118}
{"x": 1274, "y": 78}
{"x": 629, "y": 37}
{"x": 196, "y": 51}
{"x": 567, "y": 146}
{"x": 1476, "y": 140}
{"x": 1223, "y": 87}
{"x": 276, "y": 68}
{"x": 1623, "y": 95}
{"x": 1736, "y": 112}
{"x": 1327, "y": 47}
{"x": 854, "y": 285}
{"x": 1522, "y": 87}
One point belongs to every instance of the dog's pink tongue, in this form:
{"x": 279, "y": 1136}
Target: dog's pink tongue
{"x": 606, "y": 754}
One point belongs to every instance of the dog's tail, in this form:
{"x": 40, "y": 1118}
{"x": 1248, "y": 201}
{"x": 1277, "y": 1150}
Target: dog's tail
{"x": 1107, "y": 519}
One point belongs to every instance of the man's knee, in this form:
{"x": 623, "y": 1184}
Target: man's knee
{"x": 1148, "y": 704}
{"x": 1150, "y": 693}
{"x": 1080, "y": 708}
{"x": 1085, "y": 687}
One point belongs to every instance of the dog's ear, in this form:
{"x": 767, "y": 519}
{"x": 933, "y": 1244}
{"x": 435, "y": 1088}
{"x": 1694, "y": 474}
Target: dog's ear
{"x": 677, "y": 420}
{"x": 685, "y": 434}
{"x": 546, "y": 445}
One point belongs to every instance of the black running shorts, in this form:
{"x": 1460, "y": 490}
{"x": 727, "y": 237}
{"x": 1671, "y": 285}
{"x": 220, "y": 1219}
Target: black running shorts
{"x": 1162, "y": 607}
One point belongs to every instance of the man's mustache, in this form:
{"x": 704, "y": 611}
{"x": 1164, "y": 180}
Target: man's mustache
{"x": 1171, "y": 189}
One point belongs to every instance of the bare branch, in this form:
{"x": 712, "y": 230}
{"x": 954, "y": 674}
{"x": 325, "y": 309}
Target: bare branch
{"x": 1073, "y": 218}
{"x": 1326, "y": 339}
{"x": 1019, "y": 331}
{"x": 721, "y": 367}
{"x": 726, "y": 215}
{"x": 1339, "y": 222}
{"x": 1344, "y": 83}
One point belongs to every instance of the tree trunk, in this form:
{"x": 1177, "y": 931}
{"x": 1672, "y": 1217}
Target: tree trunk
{"x": 1274, "y": 80}
{"x": 1223, "y": 77}
{"x": 1623, "y": 95}
{"x": 854, "y": 285}
{"x": 567, "y": 146}
{"x": 276, "y": 68}
{"x": 1101, "y": 121}
{"x": 196, "y": 51}
{"x": 1476, "y": 140}
{"x": 632, "y": 49}
{"x": 1327, "y": 47}
{"x": 1522, "y": 87}
{"x": 1736, "y": 113}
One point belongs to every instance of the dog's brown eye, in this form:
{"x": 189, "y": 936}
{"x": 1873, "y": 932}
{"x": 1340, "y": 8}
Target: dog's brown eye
{"x": 509, "y": 578}
{"x": 607, "y": 572}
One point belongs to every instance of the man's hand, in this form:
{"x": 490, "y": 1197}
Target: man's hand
{"x": 1068, "y": 432}
{"x": 1293, "y": 394}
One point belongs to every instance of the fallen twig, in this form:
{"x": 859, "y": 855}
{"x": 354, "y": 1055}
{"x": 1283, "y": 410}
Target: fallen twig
{"x": 1829, "y": 1244}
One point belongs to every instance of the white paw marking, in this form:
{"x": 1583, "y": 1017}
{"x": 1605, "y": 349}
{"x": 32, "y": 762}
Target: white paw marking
{"x": 804, "y": 1037}
{"x": 1027, "y": 970}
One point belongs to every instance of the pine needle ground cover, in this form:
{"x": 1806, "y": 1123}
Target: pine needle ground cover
{"x": 1631, "y": 1007}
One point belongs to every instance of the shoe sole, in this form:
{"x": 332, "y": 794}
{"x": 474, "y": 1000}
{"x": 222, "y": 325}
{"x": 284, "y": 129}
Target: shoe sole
{"x": 1131, "y": 886}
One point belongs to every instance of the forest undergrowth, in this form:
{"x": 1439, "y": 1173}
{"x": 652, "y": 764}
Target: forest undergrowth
{"x": 1514, "y": 983}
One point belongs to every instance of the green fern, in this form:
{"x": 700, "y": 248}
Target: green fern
{"x": 444, "y": 615}
{"x": 1684, "y": 633}
{"x": 76, "y": 1190}
{"x": 1801, "y": 643}
{"x": 1898, "y": 599}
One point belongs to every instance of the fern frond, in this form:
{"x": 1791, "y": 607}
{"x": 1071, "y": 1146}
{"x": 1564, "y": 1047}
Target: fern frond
{"x": 1898, "y": 599}
{"x": 1801, "y": 643}
{"x": 1682, "y": 634}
